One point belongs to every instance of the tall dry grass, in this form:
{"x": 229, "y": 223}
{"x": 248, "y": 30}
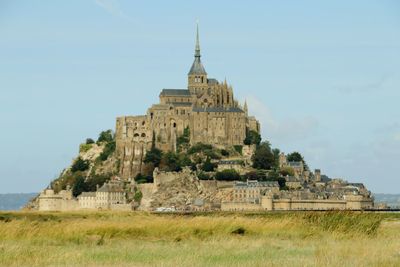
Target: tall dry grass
{"x": 217, "y": 239}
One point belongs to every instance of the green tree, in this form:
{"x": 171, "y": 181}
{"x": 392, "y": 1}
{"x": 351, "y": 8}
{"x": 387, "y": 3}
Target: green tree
{"x": 79, "y": 186}
{"x": 208, "y": 166}
{"x": 276, "y": 153}
{"x": 170, "y": 162}
{"x": 80, "y": 165}
{"x": 89, "y": 141}
{"x": 296, "y": 157}
{"x": 153, "y": 156}
{"x": 227, "y": 175}
{"x": 106, "y": 136}
{"x": 263, "y": 158}
{"x": 96, "y": 180}
{"x": 183, "y": 140}
{"x": 107, "y": 151}
{"x": 252, "y": 138}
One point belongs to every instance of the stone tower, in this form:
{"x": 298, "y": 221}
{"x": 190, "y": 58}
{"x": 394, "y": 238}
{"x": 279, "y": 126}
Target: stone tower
{"x": 197, "y": 76}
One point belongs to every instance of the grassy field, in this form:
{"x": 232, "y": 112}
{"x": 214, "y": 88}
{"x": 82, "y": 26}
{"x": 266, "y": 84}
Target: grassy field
{"x": 217, "y": 239}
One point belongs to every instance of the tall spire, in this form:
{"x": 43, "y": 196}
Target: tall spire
{"x": 197, "y": 49}
{"x": 197, "y": 68}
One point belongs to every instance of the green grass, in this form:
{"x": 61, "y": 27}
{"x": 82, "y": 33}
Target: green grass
{"x": 202, "y": 239}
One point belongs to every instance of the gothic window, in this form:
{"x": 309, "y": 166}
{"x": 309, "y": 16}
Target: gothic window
{"x": 143, "y": 135}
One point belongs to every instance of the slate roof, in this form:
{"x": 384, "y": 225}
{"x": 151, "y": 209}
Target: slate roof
{"x": 295, "y": 163}
{"x": 212, "y": 81}
{"x": 256, "y": 184}
{"x": 217, "y": 109}
{"x": 182, "y": 104}
{"x": 175, "y": 92}
{"x": 197, "y": 67}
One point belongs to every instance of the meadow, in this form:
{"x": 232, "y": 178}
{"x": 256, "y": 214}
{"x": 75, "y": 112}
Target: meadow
{"x": 201, "y": 239}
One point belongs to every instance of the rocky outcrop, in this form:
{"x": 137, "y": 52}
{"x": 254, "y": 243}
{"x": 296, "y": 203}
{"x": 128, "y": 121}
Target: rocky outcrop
{"x": 182, "y": 191}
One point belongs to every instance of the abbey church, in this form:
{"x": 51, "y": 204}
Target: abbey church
{"x": 206, "y": 107}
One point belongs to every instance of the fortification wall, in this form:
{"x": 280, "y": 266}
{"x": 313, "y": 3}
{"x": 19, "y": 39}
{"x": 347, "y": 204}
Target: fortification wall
{"x": 240, "y": 206}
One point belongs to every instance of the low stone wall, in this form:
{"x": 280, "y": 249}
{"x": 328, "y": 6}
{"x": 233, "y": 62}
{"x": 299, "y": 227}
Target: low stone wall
{"x": 305, "y": 204}
{"x": 240, "y": 206}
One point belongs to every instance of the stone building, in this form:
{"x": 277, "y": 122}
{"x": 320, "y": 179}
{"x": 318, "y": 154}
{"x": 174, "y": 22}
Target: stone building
{"x": 109, "y": 196}
{"x": 252, "y": 191}
{"x": 61, "y": 201}
{"x": 207, "y": 107}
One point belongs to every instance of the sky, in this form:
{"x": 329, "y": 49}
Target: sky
{"x": 322, "y": 77}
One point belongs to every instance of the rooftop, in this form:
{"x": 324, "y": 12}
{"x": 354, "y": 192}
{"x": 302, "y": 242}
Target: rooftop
{"x": 218, "y": 109}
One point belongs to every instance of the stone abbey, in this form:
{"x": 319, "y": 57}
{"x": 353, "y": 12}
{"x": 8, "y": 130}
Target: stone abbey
{"x": 207, "y": 108}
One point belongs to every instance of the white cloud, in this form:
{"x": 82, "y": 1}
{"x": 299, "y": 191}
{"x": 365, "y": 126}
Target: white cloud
{"x": 371, "y": 86}
{"x": 286, "y": 130}
{"x": 112, "y": 7}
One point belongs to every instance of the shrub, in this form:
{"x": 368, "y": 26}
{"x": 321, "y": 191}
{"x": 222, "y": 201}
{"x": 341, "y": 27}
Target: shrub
{"x": 153, "y": 156}
{"x": 184, "y": 139}
{"x": 252, "y": 138}
{"x": 84, "y": 147}
{"x": 212, "y": 154}
{"x": 142, "y": 179}
{"x": 224, "y": 153}
{"x": 208, "y": 166}
{"x": 138, "y": 196}
{"x": 238, "y": 148}
{"x": 170, "y": 162}
{"x": 227, "y": 175}
{"x": 199, "y": 147}
{"x": 204, "y": 176}
{"x": 89, "y": 141}
{"x": 255, "y": 175}
{"x": 107, "y": 151}
{"x": 80, "y": 165}
{"x": 106, "y": 136}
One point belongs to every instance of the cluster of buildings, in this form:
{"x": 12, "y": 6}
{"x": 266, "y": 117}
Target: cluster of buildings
{"x": 304, "y": 191}
{"x": 208, "y": 109}
{"x": 109, "y": 196}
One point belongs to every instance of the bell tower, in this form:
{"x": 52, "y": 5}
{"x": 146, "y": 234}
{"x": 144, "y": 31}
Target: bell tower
{"x": 197, "y": 76}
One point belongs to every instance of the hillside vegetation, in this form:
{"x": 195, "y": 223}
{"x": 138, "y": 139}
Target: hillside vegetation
{"x": 215, "y": 239}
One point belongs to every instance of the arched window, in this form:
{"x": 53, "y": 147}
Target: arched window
{"x": 143, "y": 135}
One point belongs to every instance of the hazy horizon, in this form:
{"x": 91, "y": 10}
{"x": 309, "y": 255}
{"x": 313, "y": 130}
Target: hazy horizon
{"x": 322, "y": 78}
